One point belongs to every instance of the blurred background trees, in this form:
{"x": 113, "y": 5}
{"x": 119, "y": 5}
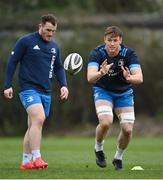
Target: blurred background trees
{"x": 81, "y": 27}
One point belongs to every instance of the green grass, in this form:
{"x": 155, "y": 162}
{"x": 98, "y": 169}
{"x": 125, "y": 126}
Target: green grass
{"x": 73, "y": 158}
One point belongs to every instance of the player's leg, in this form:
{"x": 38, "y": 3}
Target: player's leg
{"x": 125, "y": 112}
{"x": 31, "y": 100}
{"x": 105, "y": 115}
{"x": 37, "y": 114}
{"x": 127, "y": 118}
{"x": 37, "y": 117}
{"x": 32, "y": 138}
{"x": 26, "y": 146}
{"x": 27, "y": 154}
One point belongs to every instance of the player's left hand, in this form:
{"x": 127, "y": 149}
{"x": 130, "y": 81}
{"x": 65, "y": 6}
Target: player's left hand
{"x": 64, "y": 93}
{"x": 126, "y": 73}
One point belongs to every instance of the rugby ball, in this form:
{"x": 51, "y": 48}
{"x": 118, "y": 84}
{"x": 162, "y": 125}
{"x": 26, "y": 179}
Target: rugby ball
{"x": 73, "y": 63}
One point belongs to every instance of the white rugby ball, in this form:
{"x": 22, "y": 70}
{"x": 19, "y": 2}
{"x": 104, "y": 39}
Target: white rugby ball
{"x": 73, "y": 63}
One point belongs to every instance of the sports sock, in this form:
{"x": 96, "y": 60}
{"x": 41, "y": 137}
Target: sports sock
{"x": 26, "y": 158}
{"x": 119, "y": 154}
{"x": 99, "y": 146}
{"x": 36, "y": 153}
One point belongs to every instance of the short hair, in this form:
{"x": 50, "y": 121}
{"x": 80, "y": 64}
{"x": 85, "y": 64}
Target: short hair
{"x": 114, "y": 31}
{"x": 48, "y": 18}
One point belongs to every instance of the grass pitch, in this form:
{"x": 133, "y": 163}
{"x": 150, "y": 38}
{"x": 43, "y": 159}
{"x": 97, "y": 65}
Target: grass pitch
{"x": 73, "y": 158}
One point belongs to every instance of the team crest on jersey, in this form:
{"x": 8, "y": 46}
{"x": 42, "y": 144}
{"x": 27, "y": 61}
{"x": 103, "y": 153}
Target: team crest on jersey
{"x": 53, "y": 50}
{"x": 115, "y": 71}
{"x": 121, "y": 62}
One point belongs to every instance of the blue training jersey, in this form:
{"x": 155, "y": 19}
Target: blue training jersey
{"x": 114, "y": 81}
{"x": 39, "y": 62}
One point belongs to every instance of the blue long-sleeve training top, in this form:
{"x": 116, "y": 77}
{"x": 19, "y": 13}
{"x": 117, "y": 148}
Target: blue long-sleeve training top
{"x": 39, "y": 62}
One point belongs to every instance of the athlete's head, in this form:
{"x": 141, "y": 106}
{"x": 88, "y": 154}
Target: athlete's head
{"x": 47, "y": 27}
{"x": 113, "y": 39}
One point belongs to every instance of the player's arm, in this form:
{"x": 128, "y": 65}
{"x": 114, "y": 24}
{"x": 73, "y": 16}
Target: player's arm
{"x": 13, "y": 60}
{"x": 94, "y": 73}
{"x": 134, "y": 75}
{"x": 61, "y": 77}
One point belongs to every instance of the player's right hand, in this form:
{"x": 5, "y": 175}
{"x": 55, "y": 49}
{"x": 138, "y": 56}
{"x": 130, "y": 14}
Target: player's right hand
{"x": 64, "y": 93}
{"x": 104, "y": 68}
{"x": 8, "y": 93}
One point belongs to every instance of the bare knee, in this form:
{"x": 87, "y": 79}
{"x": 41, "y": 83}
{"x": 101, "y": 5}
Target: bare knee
{"x": 36, "y": 115}
{"x": 38, "y": 121}
{"x": 105, "y": 123}
{"x": 127, "y": 131}
{"x": 105, "y": 126}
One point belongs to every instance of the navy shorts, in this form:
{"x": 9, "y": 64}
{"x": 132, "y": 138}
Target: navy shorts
{"x": 118, "y": 100}
{"x": 30, "y": 97}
